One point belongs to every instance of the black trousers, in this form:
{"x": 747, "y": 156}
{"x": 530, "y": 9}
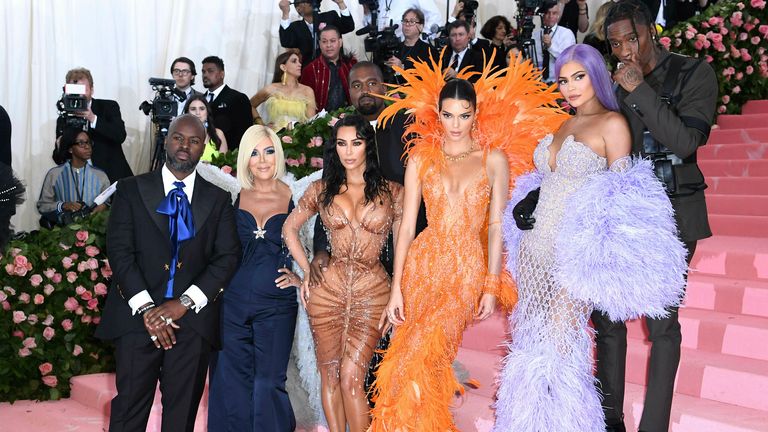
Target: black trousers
{"x": 181, "y": 371}
{"x": 665, "y": 337}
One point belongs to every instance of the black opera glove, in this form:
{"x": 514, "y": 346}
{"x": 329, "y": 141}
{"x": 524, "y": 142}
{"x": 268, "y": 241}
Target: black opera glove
{"x": 523, "y": 211}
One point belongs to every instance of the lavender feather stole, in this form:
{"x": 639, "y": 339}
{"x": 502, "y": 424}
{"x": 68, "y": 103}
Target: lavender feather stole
{"x": 511, "y": 235}
{"x": 618, "y": 247}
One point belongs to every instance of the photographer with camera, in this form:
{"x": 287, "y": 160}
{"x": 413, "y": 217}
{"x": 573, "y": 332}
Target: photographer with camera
{"x": 551, "y": 39}
{"x": 388, "y": 12}
{"x": 184, "y": 73}
{"x": 301, "y": 34}
{"x": 459, "y": 54}
{"x": 412, "y": 48}
{"x": 102, "y": 120}
{"x": 69, "y": 189}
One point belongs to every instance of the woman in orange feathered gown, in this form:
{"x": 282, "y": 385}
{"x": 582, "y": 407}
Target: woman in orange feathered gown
{"x": 451, "y": 273}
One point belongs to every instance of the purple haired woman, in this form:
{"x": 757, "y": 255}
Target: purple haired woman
{"x": 604, "y": 238}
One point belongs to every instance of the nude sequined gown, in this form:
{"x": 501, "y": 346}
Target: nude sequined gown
{"x": 344, "y": 311}
{"x": 442, "y": 283}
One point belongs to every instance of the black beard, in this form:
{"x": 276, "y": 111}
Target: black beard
{"x": 183, "y": 167}
{"x": 367, "y": 109}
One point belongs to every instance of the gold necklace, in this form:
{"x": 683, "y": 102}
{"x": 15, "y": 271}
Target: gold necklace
{"x": 460, "y": 156}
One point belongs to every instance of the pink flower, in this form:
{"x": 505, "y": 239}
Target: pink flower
{"x": 86, "y": 319}
{"x": 226, "y": 169}
{"x": 29, "y": 343}
{"x": 45, "y": 368}
{"x": 18, "y": 333}
{"x": 71, "y": 304}
{"x": 15, "y": 251}
{"x": 39, "y": 299}
{"x": 302, "y": 159}
{"x": 19, "y": 316}
{"x": 729, "y": 71}
{"x": 332, "y": 121}
{"x": 79, "y": 290}
{"x": 749, "y": 26}
{"x": 9, "y": 290}
{"x": 743, "y": 36}
{"x": 35, "y": 280}
{"x": 79, "y": 310}
{"x": 48, "y": 320}
{"x": 708, "y": 58}
{"x": 71, "y": 277}
{"x": 665, "y": 42}
{"x": 94, "y": 275}
{"x": 92, "y": 251}
{"x": 704, "y": 24}
{"x": 745, "y": 55}
{"x": 721, "y": 109}
{"x": 10, "y": 268}
{"x": 749, "y": 70}
{"x": 24, "y": 352}
{"x": 66, "y": 262}
{"x": 92, "y": 263}
{"x": 48, "y": 333}
{"x": 24, "y": 298}
{"x": 287, "y": 139}
{"x": 64, "y": 247}
{"x": 715, "y": 20}
{"x": 49, "y": 272}
{"x": 755, "y": 40}
{"x": 719, "y": 46}
{"x": 20, "y": 261}
{"x": 96, "y": 320}
{"x": 715, "y": 37}
{"x": 292, "y": 162}
{"x": 86, "y": 296}
{"x": 77, "y": 350}
{"x": 342, "y": 115}
{"x": 56, "y": 278}
{"x": 740, "y": 5}
{"x": 736, "y": 90}
{"x": 47, "y": 289}
{"x": 82, "y": 235}
{"x": 100, "y": 289}
{"x": 82, "y": 266}
{"x": 50, "y": 380}
{"x": 316, "y": 141}
{"x": 106, "y": 270}
{"x": 723, "y": 31}
{"x": 698, "y": 44}
{"x": 32, "y": 319}
{"x": 763, "y": 29}
{"x": 6, "y": 305}
{"x": 66, "y": 324}
{"x": 739, "y": 75}
{"x": 759, "y": 4}
{"x": 316, "y": 162}
{"x": 735, "y": 52}
{"x": 690, "y": 33}
{"x": 93, "y": 303}
{"x": 3, "y": 296}
{"x": 678, "y": 41}
{"x": 321, "y": 26}
{"x": 736, "y": 19}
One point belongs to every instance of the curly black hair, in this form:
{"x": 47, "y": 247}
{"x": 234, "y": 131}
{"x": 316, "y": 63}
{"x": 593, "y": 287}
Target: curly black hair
{"x": 334, "y": 173}
{"x": 635, "y": 11}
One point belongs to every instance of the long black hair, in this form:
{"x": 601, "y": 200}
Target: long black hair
{"x": 334, "y": 173}
{"x": 210, "y": 127}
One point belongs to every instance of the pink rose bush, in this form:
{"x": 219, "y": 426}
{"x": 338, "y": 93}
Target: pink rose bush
{"x": 732, "y": 37}
{"x": 54, "y": 287}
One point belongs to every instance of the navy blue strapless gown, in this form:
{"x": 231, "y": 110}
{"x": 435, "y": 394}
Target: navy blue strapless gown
{"x": 247, "y": 388}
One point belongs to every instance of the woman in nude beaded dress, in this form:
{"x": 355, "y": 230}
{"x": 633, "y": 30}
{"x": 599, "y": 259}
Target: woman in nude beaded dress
{"x": 359, "y": 208}
{"x": 604, "y": 238}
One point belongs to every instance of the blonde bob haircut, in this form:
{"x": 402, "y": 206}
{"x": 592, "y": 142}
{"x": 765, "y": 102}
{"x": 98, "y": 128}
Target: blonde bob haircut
{"x": 251, "y": 138}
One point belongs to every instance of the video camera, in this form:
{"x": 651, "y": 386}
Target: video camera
{"x": 382, "y": 44}
{"x": 470, "y": 9}
{"x": 72, "y": 101}
{"x": 163, "y": 109}
{"x": 526, "y": 10}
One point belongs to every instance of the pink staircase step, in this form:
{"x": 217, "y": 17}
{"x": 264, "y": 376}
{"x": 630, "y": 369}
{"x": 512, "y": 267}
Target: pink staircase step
{"x": 483, "y": 367}
{"x": 734, "y": 168}
{"x": 738, "y": 185}
{"x": 738, "y": 136}
{"x": 488, "y": 335}
{"x": 755, "y": 107}
{"x": 743, "y": 121}
{"x": 745, "y": 205}
{"x": 473, "y": 413}
{"x": 61, "y": 415}
{"x": 733, "y": 151}
{"x": 734, "y": 257}
{"x": 744, "y": 226}
{"x": 748, "y": 297}
{"x": 717, "y": 332}
{"x": 690, "y": 414}
{"x": 718, "y": 377}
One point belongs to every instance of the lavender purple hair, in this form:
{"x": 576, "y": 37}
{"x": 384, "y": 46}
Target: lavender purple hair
{"x": 594, "y": 64}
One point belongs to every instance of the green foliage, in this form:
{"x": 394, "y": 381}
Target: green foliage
{"x": 54, "y": 284}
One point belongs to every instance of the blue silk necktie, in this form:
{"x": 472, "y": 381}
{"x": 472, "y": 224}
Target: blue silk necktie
{"x": 180, "y": 224}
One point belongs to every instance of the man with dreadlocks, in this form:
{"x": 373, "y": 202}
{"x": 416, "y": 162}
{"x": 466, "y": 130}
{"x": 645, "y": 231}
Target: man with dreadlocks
{"x": 669, "y": 101}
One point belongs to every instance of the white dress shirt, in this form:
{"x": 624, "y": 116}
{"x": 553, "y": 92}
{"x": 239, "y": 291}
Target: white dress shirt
{"x": 215, "y": 93}
{"x": 180, "y": 105}
{"x": 194, "y": 292}
{"x": 394, "y": 10}
{"x": 562, "y": 38}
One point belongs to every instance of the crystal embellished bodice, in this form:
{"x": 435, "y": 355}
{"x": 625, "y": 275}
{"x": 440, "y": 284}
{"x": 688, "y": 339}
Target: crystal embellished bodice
{"x": 574, "y": 164}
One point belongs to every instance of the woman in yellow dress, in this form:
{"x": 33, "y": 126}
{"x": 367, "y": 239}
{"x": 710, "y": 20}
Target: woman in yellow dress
{"x": 451, "y": 274}
{"x": 286, "y": 100}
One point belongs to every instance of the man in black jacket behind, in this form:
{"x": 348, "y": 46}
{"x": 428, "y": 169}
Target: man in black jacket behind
{"x": 300, "y": 34}
{"x": 231, "y": 110}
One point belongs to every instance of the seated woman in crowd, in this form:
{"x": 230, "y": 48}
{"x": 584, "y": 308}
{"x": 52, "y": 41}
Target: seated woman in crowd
{"x": 215, "y": 142}
{"x": 287, "y": 101}
{"x": 70, "y": 188}
{"x": 595, "y": 36}
{"x": 412, "y": 48}
{"x": 498, "y": 30}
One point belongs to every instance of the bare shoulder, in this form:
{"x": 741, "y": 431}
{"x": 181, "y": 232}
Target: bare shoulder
{"x": 614, "y": 122}
{"x": 496, "y": 160}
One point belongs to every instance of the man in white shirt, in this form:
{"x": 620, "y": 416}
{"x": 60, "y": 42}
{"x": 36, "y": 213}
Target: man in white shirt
{"x": 173, "y": 247}
{"x": 300, "y": 34}
{"x": 393, "y": 10}
{"x": 551, "y": 40}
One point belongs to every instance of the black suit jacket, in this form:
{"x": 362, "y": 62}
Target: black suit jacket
{"x": 5, "y": 137}
{"x": 472, "y": 59}
{"x": 298, "y": 35}
{"x": 139, "y": 251}
{"x": 108, "y": 137}
{"x": 487, "y": 49}
{"x": 232, "y": 114}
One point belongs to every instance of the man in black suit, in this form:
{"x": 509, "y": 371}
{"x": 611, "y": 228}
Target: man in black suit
{"x": 231, "y": 110}
{"x": 5, "y": 137}
{"x": 300, "y": 34}
{"x": 105, "y": 125}
{"x": 172, "y": 246}
{"x": 459, "y": 54}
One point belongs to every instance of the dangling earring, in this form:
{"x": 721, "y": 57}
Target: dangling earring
{"x": 284, "y": 80}
{"x": 205, "y": 123}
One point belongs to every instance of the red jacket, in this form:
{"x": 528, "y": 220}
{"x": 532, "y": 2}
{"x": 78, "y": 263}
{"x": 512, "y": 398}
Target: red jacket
{"x": 317, "y": 75}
